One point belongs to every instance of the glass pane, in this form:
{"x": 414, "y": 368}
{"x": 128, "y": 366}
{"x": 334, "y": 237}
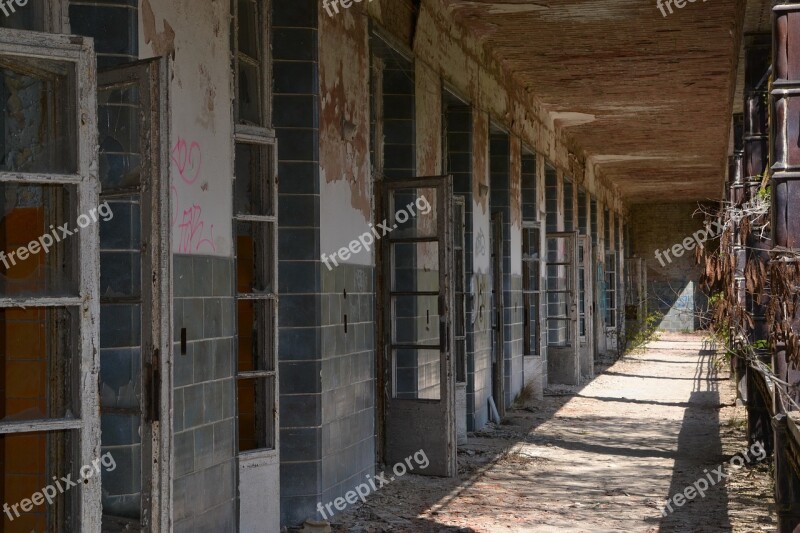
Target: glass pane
{"x": 557, "y": 278}
{"x": 39, "y": 132}
{"x": 557, "y": 305}
{"x": 249, "y": 93}
{"x": 120, "y": 326}
{"x": 255, "y": 341}
{"x": 38, "y": 364}
{"x": 253, "y": 188}
{"x": 415, "y": 266}
{"x": 122, "y": 489}
{"x": 37, "y": 240}
{"x": 30, "y": 462}
{"x": 415, "y": 320}
{"x": 249, "y": 31}
{"x": 417, "y": 374}
{"x": 559, "y": 250}
{"x": 118, "y": 114}
{"x": 256, "y": 404}
{"x": 558, "y": 333}
{"x": 414, "y": 214}
{"x": 254, "y": 257}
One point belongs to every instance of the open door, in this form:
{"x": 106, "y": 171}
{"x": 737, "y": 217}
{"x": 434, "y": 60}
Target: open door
{"x": 417, "y": 303}
{"x": 585, "y": 307}
{"x": 135, "y": 298}
{"x": 498, "y": 316}
{"x": 563, "y": 365}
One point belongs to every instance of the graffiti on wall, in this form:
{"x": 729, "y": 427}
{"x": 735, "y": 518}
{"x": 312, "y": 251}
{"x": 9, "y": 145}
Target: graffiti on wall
{"x": 195, "y": 234}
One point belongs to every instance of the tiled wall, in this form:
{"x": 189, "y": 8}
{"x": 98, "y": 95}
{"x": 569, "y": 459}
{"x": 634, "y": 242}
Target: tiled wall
{"x": 204, "y": 394}
{"x": 458, "y": 124}
{"x": 499, "y": 168}
{"x": 479, "y": 367}
{"x": 348, "y": 379}
{"x": 296, "y": 121}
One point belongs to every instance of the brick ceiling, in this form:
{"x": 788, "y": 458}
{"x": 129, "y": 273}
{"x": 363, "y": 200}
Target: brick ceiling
{"x": 648, "y": 97}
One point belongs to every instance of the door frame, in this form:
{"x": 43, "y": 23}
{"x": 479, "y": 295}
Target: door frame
{"x": 421, "y": 410}
{"x": 570, "y": 376}
{"x": 152, "y": 78}
{"x": 586, "y": 347}
{"x": 498, "y": 311}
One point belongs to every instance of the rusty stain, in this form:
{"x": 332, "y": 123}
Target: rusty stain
{"x": 429, "y": 121}
{"x": 515, "y": 182}
{"x": 206, "y": 117}
{"x": 163, "y": 43}
{"x": 344, "y": 117}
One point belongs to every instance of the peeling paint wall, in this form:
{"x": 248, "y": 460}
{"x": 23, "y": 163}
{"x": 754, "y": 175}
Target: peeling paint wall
{"x": 196, "y": 36}
{"x": 345, "y": 177}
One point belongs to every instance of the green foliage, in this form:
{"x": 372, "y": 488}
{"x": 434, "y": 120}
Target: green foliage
{"x": 643, "y": 332}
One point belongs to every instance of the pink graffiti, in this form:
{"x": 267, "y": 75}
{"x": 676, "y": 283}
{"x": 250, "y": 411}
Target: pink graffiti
{"x": 192, "y": 235}
{"x": 188, "y": 159}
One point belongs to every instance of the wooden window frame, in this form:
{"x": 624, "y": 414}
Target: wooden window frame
{"x": 262, "y": 136}
{"x": 86, "y": 427}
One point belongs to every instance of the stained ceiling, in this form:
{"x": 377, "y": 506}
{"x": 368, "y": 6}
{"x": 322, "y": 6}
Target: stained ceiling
{"x": 649, "y": 97}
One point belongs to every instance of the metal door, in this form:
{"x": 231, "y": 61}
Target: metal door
{"x": 562, "y": 308}
{"x": 417, "y": 302}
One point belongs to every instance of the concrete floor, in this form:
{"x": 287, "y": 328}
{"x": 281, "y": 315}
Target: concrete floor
{"x": 601, "y": 457}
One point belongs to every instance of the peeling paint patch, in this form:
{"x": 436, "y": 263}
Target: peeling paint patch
{"x": 163, "y": 43}
{"x": 515, "y": 182}
{"x": 344, "y": 116}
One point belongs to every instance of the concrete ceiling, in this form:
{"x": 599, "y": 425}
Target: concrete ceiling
{"x": 648, "y": 97}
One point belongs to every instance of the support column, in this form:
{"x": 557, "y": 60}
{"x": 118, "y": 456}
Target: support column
{"x": 785, "y": 196}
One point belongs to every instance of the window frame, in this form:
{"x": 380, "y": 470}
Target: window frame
{"x": 531, "y": 296}
{"x": 262, "y": 136}
{"x": 86, "y": 427}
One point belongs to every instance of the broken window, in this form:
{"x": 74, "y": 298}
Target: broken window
{"x": 48, "y": 332}
{"x": 569, "y": 210}
{"x": 255, "y": 230}
{"x": 551, "y": 197}
{"x": 531, "y": 290}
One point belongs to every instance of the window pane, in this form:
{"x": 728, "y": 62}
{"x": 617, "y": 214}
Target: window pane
{"x": 255, "y": 327}
{"x": 413, "y": 214}
{"x": 120, "y": 147}
{"x": 249, "y": 29}
{"x": 39, "y": 370}
{"x": 415, "y": 320}
{"x": 39, "y": 132}
{"x": 29, "y": 462}
{"x": 415, "y": 266}
{"x": 417, "y": 374}
{"x": 253, "y": 186}
{"x": 254, "y": 257}
{"x": 39, "y": 259}
{"x": 255, "y": 399}
{"x": 250, "y": 83}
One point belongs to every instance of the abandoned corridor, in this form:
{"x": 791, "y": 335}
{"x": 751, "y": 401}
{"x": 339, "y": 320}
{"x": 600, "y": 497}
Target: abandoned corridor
{"x": 600, "y": 457}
